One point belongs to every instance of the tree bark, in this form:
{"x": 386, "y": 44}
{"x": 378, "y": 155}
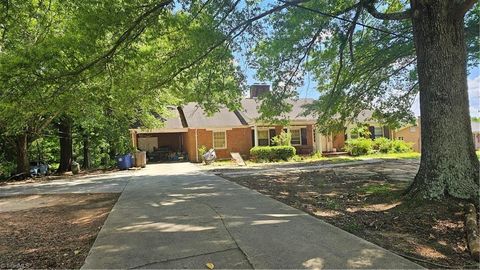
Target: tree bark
{"x": 23, "y": 164}
{"x": 86, "y": 152}
{"x": 448, "y": 166}
{"x": 66, "y": 148}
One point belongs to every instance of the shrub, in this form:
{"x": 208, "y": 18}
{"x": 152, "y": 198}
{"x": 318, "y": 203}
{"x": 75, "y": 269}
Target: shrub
{"x": 271, "y": 153}
{"x": 400, "y": 146}
{"x": 358, "y": 147}
{"x": 382, "y": 144}
{"x": 284, "y": 139}
{"x": 385, "y": 145}
{"x": 202, "y": 150}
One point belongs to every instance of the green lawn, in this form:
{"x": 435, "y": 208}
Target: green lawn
{"x": 321, "y": 159}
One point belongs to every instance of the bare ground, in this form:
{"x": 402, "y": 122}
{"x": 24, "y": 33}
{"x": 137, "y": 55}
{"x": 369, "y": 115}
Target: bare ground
{"x": 50, "y": 231}
{"x": 367, "y": 201}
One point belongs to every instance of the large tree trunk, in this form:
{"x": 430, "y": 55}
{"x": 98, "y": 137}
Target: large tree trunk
{"x": 86, "y": 152}
{"x": 66, "y": 148}
{"x": 23, "y": 165}
{"x": 448, "y": 164}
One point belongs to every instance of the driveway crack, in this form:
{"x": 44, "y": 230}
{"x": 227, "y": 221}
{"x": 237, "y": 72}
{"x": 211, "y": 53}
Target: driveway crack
{"x": 229, "y": 233}
{"x": 181, "y": 258}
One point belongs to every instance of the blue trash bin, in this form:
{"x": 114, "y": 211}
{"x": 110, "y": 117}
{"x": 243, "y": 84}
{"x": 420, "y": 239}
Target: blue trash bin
{"x": 124, "y": 162}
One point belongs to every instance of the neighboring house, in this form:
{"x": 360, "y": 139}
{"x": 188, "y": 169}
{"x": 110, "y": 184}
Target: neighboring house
{"x": 411, "y": 134}
{"x": 365, "y": 118}
{"x": 476, "y": 134}
{"x": 226, "y": 131}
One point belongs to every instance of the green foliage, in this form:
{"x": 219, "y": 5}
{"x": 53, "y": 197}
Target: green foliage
{"x": 272, "y": 153}
{"x": 399, "y": 146}
{"x": 365, "y": 69}
{"x": 362, "y": 131}
{"x": 109, "y": 66}
{"x": 6, "y": 169}
{"x": 384, "y": 145}
{"x": 358, "y": 147}
{"x": 283, "y": 139}
{"x": 202, "y": 150}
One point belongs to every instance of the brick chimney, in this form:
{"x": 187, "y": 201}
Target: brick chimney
{"x": 257, "y": 90}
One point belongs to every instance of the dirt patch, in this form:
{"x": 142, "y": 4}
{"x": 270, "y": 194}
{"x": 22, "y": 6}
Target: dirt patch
{"x": 50, "y": 231}
{"x": 367, "y": 201}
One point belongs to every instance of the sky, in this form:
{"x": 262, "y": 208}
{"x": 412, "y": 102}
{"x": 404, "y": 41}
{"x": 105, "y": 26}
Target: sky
{"x": 308, "y": 90}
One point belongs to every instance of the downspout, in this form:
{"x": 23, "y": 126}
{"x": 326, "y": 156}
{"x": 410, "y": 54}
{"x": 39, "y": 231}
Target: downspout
{"x": 196, "y": 145}
{"x": 255, "y": 132}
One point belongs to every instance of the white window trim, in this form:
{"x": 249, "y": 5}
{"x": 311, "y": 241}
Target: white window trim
{"x": 299, "y": 131}
{"x": 380, "y": 127}
{"x": 268, "y": 132}
{"x": 213, "y": 139}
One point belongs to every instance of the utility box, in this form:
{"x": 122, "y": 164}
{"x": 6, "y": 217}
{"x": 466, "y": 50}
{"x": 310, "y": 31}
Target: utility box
{"x": 140, "y": 159}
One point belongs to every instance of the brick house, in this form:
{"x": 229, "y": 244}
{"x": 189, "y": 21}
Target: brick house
{"x": 189, "y": 128}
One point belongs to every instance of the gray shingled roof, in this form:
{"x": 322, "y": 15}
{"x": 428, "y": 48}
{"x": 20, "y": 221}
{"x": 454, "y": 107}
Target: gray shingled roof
{"x": 196, "y": 118}
{"x": 173, "y": 120}
{"x": 251, "y": 105}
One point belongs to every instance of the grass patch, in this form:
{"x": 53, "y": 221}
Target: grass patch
{"x": 377, "y": 189}
{"x": 316, "y": 158}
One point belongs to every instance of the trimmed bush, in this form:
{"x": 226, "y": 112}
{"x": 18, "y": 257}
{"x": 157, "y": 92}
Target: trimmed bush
{"x": 358, "y": 147}
{"x": 382, "y": 144}
{"x": 271, "y": 153}
{"x": 400, "y": 146}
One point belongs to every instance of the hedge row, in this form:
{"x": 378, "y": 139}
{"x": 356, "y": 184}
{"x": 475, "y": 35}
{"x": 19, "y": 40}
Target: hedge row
{"x": 364, "y": 146}
{"x": 271, "y": 153}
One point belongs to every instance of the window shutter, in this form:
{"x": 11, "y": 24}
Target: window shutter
{"x": 372, "y": 132}
{"x": 272, "y": 134}
{"x": 386, "y": 132}
{"x": 253, "y": 138}
{"x": 303, "y": 132}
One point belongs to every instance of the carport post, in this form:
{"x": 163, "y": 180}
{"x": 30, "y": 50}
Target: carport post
{"x": 196, "y": 145}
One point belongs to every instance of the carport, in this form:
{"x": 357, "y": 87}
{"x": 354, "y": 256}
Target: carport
{"x": 166, "y": 143}
{"x": 162, "y": 144}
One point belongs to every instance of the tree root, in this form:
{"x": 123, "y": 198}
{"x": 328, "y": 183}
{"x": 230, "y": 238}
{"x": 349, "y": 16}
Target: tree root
{"x": 471, "y": 226}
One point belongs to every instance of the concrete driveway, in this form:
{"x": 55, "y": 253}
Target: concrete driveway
{"x": 176, "y": 216}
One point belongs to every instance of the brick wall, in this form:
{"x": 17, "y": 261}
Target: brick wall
{"x": 189, "y": 144}
{"x": 339, "y": 141}
{"x": 238, "y": 140}
{"x": 412, "y": 135}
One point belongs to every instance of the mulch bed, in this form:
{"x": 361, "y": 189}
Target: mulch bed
{"x": 371, "y": 206}
{"x": 50, "y": 231}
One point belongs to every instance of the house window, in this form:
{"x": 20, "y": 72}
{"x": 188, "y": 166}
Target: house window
{"x": 219, "y": 139}
{"x": 296, "y": 137}
{"x": 378, "y": 132}
{"x": 263, "y": 138}
{"x": 400, "y": 138}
